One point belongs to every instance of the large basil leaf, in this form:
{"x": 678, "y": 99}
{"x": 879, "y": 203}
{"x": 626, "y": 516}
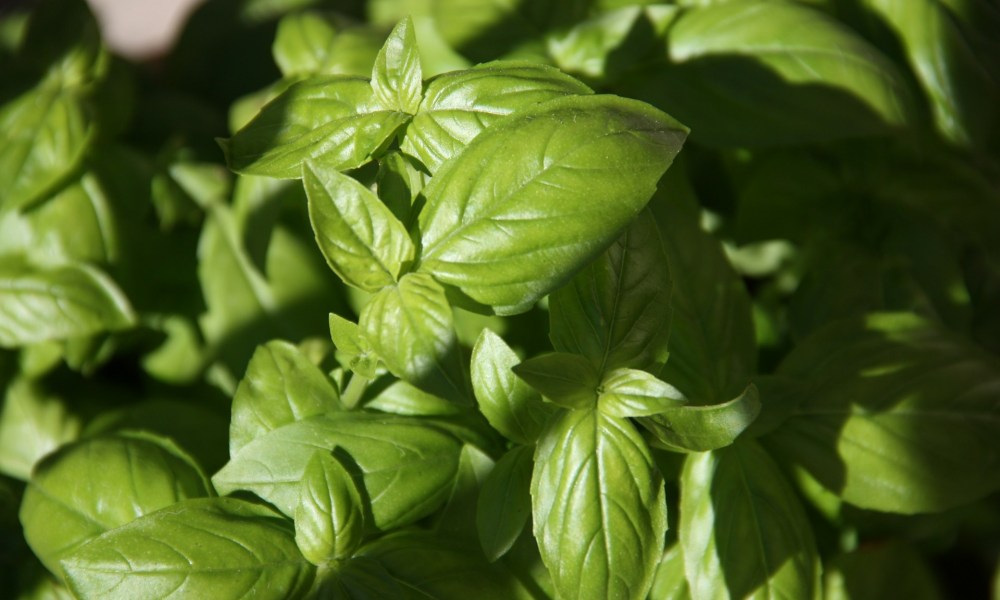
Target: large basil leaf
{"x": 363, "y": 242}
{"x": 281, "y": 386}
{"x": 510, "y": 405}
{"x": 743, "y": 531}
{"x": 458, "y": 106}
{"x": 38, "y": 304}
{"x": 402, "y": 465}
{"x": 94, "y": 485}
{"x": 536, "y": 197}
{"x": 757, "y": 72}
{"x": 410, "y": 327}
{"x": 701, "y": 428}
{"x": 599, "y": 507}
{"x": 205, "y": 548}
{"x": 894, "y": 413}
{"x": 396, "y": 77}
{"x": 616, "y": 311}
{"x": 329, "y": 522}
{"x": 713, "y": 350}
{"x": 33, "y": 422}
{"x": 332, "y": 119}
{"x": 504, "y": 503}
{"x": 941, "y": 52}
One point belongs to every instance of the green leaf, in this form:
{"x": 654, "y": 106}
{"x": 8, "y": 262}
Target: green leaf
{"x": 893, "y": 569}
{"x": 410, "y": 327}
{"x": 396, "y": 79}
{"x": 616, "y": 311}
{"x": 756, "y": 73}
{"x": 347, "y": 338}
{"x": 670, "y": 582}
{"x": 458, "y": 106}
{"x": 536, "y": 197}
{"x": 363, "y": 242}
{"x": 457, "y": 518}
{"x": 401, "y": 398}
{"x": 743, "y": 531}
{"x": 39, "y": 304}
{"x": 330, "y": 520}
{"x": 402, "y": 465}
{"x": 599, "y": 508}
{"x": 47, "y": 131}
{"x": 77, "y": 224}
{"x": 634, "y": 393}
{"x": 607, "y": 45}
{"x": 485, "y": 29}
{"x": 895, "y": 414}
{"x": 332, "y": 120}
{"x": 33, "y": 423}
{"x": 505, "y": 502}
{"x": 444, "y": 568}
{"x": 98, "y": 484}
{"x": 280, "y": 387}
{"x": 706, "y": 427}
{"x": 942, "y": 52}
{"x": 218, "y": 547}
{"x": 303, "y": 43}
{"x": 713, "y": 350}
{"x": 510, "y": 405}
{"x": 565, "y": 379}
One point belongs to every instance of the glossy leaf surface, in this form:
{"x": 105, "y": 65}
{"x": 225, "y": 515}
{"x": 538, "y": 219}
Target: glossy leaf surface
{"x": 705, "y": 427}
{"x": 410, "y": 327}
{"x": 219, "y": 547}
{"x": 402, "y": 464}
{"x": 329, "y": 521}
{"x": 511, "y": 406}
{"x": 599, "y": 509}
{"x": 363, "y": 242}
{"x": 458, "y": 106}
{"x": 535, "y": 198}
{"x": 330, "y": 119}
{"x": 280, "y": 387}
{"x": 66, "y": 504}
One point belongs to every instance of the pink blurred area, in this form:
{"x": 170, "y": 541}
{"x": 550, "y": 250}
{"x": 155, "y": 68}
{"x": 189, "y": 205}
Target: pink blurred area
{"x": 141, "y": 29}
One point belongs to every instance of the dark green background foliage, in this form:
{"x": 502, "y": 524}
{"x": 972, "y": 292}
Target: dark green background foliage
{"x": 532, "y": 299}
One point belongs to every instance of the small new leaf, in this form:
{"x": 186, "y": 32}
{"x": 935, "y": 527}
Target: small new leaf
{"x": 329, "y": 523}
{"x": 362, "y": 240}
{"x": 511, "y": 406}
{"x": 280, "y": 386}
{"x": 220, "y": 548}
{"x": 396, "y": 79}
